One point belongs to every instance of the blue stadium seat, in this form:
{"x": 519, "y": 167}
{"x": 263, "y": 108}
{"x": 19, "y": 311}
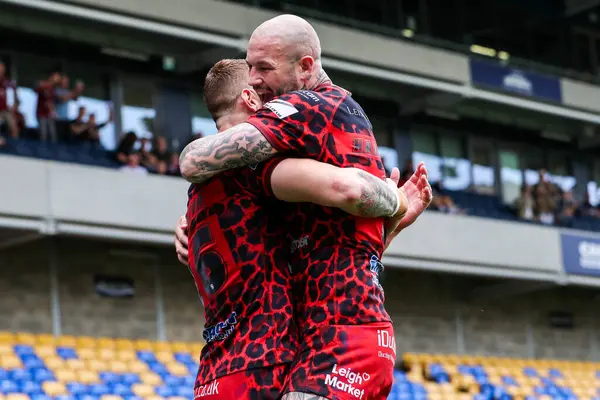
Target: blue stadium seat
{"x": 133, "y": 398}
{"x": 66, "y": 353}
{"x": 158, "y": 368}
{"x": 130, "y": 379}
{"x": 31, "y": 388}
{"x": 8, "y": 387}
{"x": 19, "y": 375}
{"x": 189, "y": 380}
{"x": 4, "y": 374}
{"x": 184, "y": 391}
{"x": 171, "y": 380}
{"x": 184, "y": 358}
{"x": 22, "y": 349}
{"x": 120, "y": 389}
{"x": 32, "y": 362}
{"x": 99, "y": 389}
{"x": 77, "y": 388}
{"x": 64, "y": 397}
{"x": 86, "y": 397}
{"x": 165, "y": 391}
{"x": 42, "y": 375}
{"x": 146, "y": 356}
{"x": 109, "y": 377}
{"x": 40, "y": 397}
{"x": 528, "y": 371}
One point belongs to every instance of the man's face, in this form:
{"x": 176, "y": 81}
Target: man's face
{"x": 272, "y": 71}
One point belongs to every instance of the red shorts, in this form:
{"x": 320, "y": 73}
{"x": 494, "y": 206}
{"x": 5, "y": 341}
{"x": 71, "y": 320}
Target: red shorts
{"x": 259, "y": 383}
{"x": 345, "y": 362}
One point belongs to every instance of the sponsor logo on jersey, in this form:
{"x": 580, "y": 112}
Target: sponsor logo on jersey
{"x": 281, "y": 108}
{"x": 297, "y": 244}
{"x": 209, "y": 389}
{"x": 310, "y": 96}
{"x": 221, "y": 330}
{"x": 376, "y": 268}
{"x": 386, "y": 340}
{"x": 347, "y": 381}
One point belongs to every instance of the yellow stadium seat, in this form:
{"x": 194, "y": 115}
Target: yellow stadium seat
{"x": 196, "y": 348}
{"x": 86, "y": 342}
{"x": 143, "y": 344}
{"x": 177, "y": 369}
{"x": 155, "y": 397}
{"x": 6, "y": 348}
{"x": 2, "y": 397}
{"x": 150, "y": 378}
{"x": 97, "y": 365}
{"x": 9, "y": 361}
{"x": 45, "y": 339}
{"x": 126, "y": 355}
{"x": 137, "y": 367}
{"x": 180, "y": 347}
{"x": 75, "y": 364}
{"x": 54, "y": 388}
{"x": 25, "y": 338}
{"x": 165, "y": 357}
{"x": 142, "y": 390}
{"x": 111, "y": 397}
{"x": 118, "y": 366}
{"x": 54, "y": 362}
{"x": 16, "y": 397}
{"x": 66, "y": 341}
{"x": 65, "y": 375}
{"x": 124, "y": 344}
{"x": 162, "y": 346}
{"x": 106, "y": 354}
{"x": 106, "y": 343}
{"x": 85, "y": 376}
{"x": 45, "y": 350}
{"x": 177, "y": 398}
{"x": 87, "y": 353}
{"x": 7, "y": 337}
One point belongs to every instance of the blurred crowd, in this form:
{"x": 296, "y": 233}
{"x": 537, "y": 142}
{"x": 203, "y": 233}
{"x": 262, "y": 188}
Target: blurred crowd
{"x": 54, "y": 94}
{"x": 547, "y": 203}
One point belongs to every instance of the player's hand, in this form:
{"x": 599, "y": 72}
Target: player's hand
{"x": 419, "y": 195}
{"x": 392, "y": 182}
{"x": 181, "y": 240}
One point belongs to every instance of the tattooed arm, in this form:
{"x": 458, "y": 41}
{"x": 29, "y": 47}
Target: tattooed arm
{"x": 350, "y": 189}
{"x": 236, "y": 147}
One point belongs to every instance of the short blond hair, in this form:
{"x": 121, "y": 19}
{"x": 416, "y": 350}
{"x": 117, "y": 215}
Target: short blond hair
{"x": 224, "y": 83}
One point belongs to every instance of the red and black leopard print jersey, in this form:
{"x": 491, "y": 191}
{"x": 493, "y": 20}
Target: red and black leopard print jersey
{"x": 335, "y": 256}
{"x": 238, "y": 258}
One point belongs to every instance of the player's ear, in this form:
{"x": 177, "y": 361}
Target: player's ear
{"x": 307, "y": 64}
{"x": 251, "y": 100}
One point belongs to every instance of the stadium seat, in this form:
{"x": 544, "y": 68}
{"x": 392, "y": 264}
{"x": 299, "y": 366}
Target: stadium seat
{"x": 66, "y": 341}
{"x": 142, "y": 390}
{"x": 54, "y": 388}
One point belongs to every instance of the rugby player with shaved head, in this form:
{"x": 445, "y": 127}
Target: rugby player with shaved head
{"x": 239, "y": 252}
{"x": 347, "y": 346}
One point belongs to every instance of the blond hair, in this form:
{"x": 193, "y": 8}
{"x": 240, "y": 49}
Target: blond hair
{"x": 224, "y": 83}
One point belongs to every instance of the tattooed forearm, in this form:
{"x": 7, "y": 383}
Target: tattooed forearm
{"x": 377, "y": 199}
{"x": 236, "y": 147}
{"x": 302, "y": 396}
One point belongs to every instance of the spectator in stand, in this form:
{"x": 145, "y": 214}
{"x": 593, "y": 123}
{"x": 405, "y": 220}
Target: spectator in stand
{"x": 545, "y": 205}
{"x": 6, "y": 116}
{"x": 161, "y": 156}
{"x": 173, "y": 168}
{"x": 46, "y": 114}
{"x": 63, "y": 95}
{"x": 568, "y": 211}
{"x": 126, "y": 147}
{"x": 133, "y": 165}
{"x": 92, "y": 132}
{"x": 18, "y": 116}
{"x": 146, "y": 158}
{"x": 525, "y": 204}
{"x": 77, "y": 126}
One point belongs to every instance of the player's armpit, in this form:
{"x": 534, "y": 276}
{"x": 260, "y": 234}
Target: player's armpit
{"x": 236, "y": 147}
{"x": 350, "y": 189}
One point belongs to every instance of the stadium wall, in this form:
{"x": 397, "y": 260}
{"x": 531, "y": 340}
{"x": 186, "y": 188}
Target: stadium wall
{"x": 432, "y": 312}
